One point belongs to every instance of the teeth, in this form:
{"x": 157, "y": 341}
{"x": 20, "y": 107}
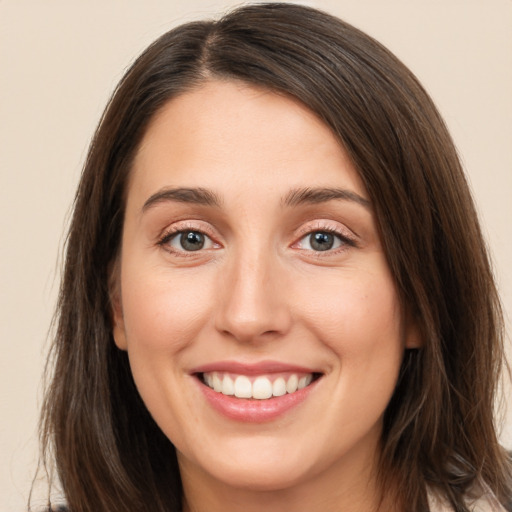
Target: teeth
{"x": 217, "y": 384}
{"x": 261, "y": 388}
{"x": 243, "y": 387}
{"x": 228, "y": 386}
{"x": 305, "y": 381}
{"x": 292, "y": 384}
{"x": 279, "y": 387}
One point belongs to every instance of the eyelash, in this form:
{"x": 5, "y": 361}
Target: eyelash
{"x": 178, "y": 230}
{"x": 345, "y": 240}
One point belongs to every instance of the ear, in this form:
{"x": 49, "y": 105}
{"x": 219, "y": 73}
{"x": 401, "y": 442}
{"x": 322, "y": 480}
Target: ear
{"x": 116, "y": 308}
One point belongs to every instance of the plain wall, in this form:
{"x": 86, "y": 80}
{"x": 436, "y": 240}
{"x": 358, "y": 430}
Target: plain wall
{"x": 59, "y": 62}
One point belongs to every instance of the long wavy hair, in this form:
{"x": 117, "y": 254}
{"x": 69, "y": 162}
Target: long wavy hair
{"x": 439, "y": 428}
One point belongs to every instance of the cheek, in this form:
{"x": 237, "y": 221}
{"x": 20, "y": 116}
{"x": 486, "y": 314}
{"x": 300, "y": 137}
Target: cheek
{"x": 162, "y": 312}
{"x": 358, "y": 317}
{"x": 366, "y": 336}
{"x": 162, "y": 315}
{"x": 354, "y": 312}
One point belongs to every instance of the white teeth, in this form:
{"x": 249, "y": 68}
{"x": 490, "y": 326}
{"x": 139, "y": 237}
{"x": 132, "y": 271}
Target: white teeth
{"x": 217, "y": 383}
{"x": 292, "y": 384}
{"x": 228, "y": 386}
{"x": 261, "y": 388}
{"x": 305, "y": 381}
{"x": 243, "y": 387}
{"x": 279, "y": 387}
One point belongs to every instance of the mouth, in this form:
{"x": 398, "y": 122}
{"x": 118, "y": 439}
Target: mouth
{"x": 255, "y": 392}
{"x": 257, "y": 387}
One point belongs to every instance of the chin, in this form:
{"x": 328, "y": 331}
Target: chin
{"x": 262, "y": 477}
{"x": 263, "y": 466}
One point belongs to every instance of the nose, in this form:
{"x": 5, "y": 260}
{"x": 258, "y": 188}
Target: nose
{"x": 253, "y": 304}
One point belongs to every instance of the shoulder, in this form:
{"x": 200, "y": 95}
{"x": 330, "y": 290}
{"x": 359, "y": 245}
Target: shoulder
{"x": 484, "y": 503}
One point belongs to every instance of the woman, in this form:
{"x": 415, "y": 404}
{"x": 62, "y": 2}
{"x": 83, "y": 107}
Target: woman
{"x": 276, "y": 293}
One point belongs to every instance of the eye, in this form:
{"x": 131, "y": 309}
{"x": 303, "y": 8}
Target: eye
{"x": 188, "y": 240}
{"x": 321, "y": 241}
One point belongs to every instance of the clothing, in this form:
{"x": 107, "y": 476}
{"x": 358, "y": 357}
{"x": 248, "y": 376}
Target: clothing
{"x": 487, "y": 503}
{"x": 435, "y": 504}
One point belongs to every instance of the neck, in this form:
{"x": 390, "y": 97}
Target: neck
{"x": 340, "y": 488}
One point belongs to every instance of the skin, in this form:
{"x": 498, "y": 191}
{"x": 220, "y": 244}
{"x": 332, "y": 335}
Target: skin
{"x": 258, "y": 291}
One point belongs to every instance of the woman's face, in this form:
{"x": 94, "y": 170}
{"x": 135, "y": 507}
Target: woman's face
{"x": 251, "y": 264}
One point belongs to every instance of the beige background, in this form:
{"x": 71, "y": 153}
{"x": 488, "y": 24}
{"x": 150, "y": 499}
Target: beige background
{"x": 59, "y": 61}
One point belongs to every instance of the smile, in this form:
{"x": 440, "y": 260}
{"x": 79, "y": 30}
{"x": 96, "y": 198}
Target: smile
{"x": 259, "y": 387}
{"x": 255, "y": 392}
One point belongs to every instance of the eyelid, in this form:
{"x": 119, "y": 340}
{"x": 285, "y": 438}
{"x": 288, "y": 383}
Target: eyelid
{"x": 347, "y": 236}
{"x": 186, "y": 225}
{"x": 326, "y": 225}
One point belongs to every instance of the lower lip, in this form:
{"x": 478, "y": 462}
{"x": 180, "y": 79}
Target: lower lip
{"x": 253, "y": 410}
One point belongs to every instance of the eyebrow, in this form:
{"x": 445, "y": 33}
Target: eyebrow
{"x": 321, "y": 195}
{"x": 199, "y": 195}
{"x": 295, "y": 197}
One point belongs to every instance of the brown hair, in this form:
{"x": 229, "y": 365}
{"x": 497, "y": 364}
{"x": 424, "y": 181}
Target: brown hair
{"x": 439, "y": 429}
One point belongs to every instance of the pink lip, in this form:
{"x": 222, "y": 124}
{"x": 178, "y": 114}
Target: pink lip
{"x": 259, "y": 368}
{"x": 252, "y": 410}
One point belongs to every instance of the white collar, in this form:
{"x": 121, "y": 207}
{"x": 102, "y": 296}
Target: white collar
{"x": 485, "y": 503}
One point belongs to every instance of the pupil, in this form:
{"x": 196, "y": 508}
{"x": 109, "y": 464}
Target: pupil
{"x": 321, "y": 241}
{"x": 192, "y": 241}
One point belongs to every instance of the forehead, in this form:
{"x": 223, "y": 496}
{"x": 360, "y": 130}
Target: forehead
{"x": 227, "y": 132}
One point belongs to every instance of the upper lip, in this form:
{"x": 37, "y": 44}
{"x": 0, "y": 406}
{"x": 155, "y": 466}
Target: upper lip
{"x": 257, "y": 368}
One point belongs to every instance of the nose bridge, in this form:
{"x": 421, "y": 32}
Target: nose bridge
{"x": 253, "y": 303}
